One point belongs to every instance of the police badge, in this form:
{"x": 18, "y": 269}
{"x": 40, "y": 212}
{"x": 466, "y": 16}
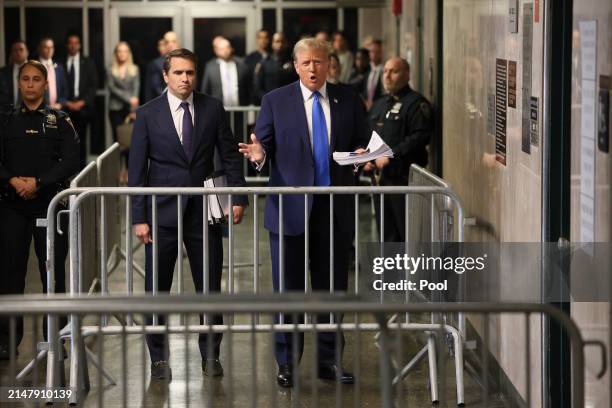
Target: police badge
{"x": 51, "y": 121}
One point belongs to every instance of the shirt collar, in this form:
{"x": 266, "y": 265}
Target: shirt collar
{"x": 307, "y": 93}
{"x": 47, "y": 62}
{"x": 74, "y": 57}
{"x": 175, "y": 103}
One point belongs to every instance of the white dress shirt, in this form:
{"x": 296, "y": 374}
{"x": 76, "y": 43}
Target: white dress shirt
{"x": 308, "y": 96}
{"x": 16, "y": 84}
{"x": 177, "y": 112}
{"x": 229, "y": 82}
{"x": 74, "y": 63}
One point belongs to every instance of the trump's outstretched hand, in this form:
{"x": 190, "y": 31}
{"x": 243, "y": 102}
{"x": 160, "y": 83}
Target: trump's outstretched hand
{"x": 253, "y": 151}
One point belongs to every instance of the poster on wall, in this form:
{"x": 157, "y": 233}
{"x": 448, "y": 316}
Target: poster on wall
{"x": 534, "y": 122}
{"x": 501, "y": 96}
{"x": 588, "y": 129}
{"x": 527, "y": 49}
{"x": 512, "y": 84}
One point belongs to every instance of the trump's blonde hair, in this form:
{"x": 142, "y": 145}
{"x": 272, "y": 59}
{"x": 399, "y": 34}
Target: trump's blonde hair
{"x": 311, "y": 43}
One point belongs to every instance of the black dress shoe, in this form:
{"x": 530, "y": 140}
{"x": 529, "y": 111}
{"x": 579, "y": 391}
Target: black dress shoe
{"x": 285, "y": 376}
{"x": 160, "y": 370}
{"x": 212, "y": 367}
{"x": 333, "y": 372}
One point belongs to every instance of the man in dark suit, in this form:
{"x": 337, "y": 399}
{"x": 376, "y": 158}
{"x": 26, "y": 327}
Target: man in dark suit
{"x": 154, "y": 76}
{"x": 275, "y": 70}
{"x": 154, "y": 79}
{"x": 226, "y": 77}
{"x": 373, "y": 83}
{"x": 57, "y": 85}
{"x": 298, "y": 128}
{"x": 173, "y": 143}
{"x": 82, "y": 85}
{"x": 262, "y": 40}
{"x": 9, "y": 91}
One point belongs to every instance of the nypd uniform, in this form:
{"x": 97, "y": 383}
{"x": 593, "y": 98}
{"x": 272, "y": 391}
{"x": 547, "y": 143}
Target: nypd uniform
{"x": 43, "y": 144}
{"x": 404, "y": 121}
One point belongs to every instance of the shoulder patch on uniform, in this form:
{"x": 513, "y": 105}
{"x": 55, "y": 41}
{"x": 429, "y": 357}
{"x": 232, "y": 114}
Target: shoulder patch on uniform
{"x": 69, "y": 121}
{"x": 426, "y": 109}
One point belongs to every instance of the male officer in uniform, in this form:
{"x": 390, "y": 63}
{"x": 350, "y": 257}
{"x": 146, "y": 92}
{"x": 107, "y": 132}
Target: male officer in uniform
{"x": 39, "y": 152}
{"x": 403, "y": 118}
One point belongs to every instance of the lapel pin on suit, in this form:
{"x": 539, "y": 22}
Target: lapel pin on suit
{"x": 335, "y": 100}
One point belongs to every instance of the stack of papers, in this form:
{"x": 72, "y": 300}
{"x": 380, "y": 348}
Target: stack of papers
{"x": 376, "y": 148}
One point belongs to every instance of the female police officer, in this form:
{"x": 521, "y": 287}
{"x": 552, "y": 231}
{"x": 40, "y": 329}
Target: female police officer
{"x": 39, "y": 151}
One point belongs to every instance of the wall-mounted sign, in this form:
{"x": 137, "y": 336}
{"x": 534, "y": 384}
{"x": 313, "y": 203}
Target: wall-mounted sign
{"x": 603, "y": 132}
{"x": 513, "y": 7}
{"x": 588, "y": 49}
{"x": 534, "y": 122}
{"x": 588, "y": 128}
{"x": 526, "y": 90}
{"x": 512, "y": 84}
{"x": 501, "y": 86}
{"x": 491, "y": 114}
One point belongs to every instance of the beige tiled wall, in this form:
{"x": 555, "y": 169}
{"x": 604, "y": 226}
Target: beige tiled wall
{"x": 593, "y": 318}
{"x": 505, "y": 199}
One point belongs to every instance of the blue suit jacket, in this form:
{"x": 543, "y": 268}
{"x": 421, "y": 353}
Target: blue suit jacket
{"x": 282, "y": 129}
{"x": 157, "y": 158}
{"x": 154, "y": 79}
{"x": 61, "y": 82}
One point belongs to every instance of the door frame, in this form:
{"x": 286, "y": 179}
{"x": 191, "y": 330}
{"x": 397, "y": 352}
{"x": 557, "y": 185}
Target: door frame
{"x": 129, "y": 10}
{"x": 216, "y": 10}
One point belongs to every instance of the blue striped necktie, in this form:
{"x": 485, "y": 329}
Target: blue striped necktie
{"x": 319, "y": 143}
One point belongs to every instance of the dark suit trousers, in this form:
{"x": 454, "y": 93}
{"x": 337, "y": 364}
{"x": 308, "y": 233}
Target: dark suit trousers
{"x": 394, "y": 217}
{"x": 18, "y": 229}
{"x": 318, "y": 252}
{"x": 167, "y": 239}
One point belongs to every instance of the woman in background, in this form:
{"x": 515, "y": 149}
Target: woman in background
{"x": 123, "y": 79}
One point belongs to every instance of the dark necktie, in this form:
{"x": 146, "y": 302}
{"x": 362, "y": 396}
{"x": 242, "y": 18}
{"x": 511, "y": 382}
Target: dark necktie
{"x": 71, "y": 79}
{"x": 319, "y": 143}
{"x": 187, "y": 130}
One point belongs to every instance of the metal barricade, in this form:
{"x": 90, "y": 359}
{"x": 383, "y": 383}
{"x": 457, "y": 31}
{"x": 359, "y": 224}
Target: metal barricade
{"x": 109, "y": 165}
{"x": 85, "y": 195}
{"x": 248, "y": 347}
{"x": 84, "y": 269}
{"x": 242, "y": 122}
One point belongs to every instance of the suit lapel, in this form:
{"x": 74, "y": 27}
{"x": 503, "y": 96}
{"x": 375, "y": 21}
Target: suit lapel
{"x": 335, "y": 113}
{"x": 297, "y": 101}
{"x": 199, "y": 110}
{"x": 166, "y": 125}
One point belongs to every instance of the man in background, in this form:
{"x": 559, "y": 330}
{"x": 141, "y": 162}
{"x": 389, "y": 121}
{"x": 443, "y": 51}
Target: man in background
{"x": 82, "y": 85}
{"x": 345, "y": 57}
{"x": 262, "y": 40}
{"x": 154, "y": 77}
{"x": 9, "y": 74}
{"x": 276, "y": 70}
{"x": 373, "y": 84}
{"x": 57, "y": 86}
{"x": 403, "y": 118}
{"x": 225, "y": 76}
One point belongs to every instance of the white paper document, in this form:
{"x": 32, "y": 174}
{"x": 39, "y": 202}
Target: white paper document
{"x": 218, "y": 204}
{"x": 376, "y": 148}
